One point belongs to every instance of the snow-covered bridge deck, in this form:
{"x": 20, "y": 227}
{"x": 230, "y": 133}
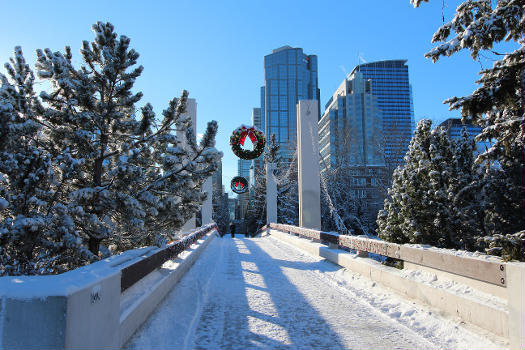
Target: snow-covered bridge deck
{"x": 263, "y": 294}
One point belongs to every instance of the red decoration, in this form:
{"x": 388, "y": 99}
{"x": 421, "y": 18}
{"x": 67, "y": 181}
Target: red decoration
{"x": 239, "y": 137}
{"x": 239, "y": 184}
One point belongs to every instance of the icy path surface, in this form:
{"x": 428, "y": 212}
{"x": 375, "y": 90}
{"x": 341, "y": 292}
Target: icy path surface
{"x": 260, "y": 293}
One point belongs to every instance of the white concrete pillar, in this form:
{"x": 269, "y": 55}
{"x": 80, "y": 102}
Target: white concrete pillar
{"x": 516, "y": 304}
{"x": 191, "y": 110}
{"x": 207, "y": 206}
{"x": 308, "y": 164}
{"x": 271, "y": 194}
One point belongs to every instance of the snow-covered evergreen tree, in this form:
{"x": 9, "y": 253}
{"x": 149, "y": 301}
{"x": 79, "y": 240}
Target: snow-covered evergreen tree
{"x": 81, "y": 169}
{"x": 36, "y": 231}
{"x": 421, "y": 206}
{"x": 497, "y": 105}
{"x": 135, "y": 181}
{"x": 464, "y": 193}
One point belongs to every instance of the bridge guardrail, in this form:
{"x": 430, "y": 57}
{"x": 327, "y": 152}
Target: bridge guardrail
{"x": 96, "y": 306}
{"x": 136, "y": 271}
{"x": 493, "y": 272}
{"x": 503, "y": 283}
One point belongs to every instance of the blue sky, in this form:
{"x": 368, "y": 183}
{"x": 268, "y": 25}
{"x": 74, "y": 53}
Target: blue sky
{"x": 215, "y": 49}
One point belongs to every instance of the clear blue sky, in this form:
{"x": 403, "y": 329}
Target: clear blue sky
{"x": 215, "y": 49}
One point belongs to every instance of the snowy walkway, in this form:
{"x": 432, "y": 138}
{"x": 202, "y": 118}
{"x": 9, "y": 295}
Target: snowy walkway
{"x": 263, "y": 294}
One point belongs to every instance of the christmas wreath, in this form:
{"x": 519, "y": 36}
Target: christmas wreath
{"x": 239, "y": 184}
{"x": 239, "y": 136}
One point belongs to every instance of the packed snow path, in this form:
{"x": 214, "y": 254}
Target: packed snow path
{"x": 263, "y": 294}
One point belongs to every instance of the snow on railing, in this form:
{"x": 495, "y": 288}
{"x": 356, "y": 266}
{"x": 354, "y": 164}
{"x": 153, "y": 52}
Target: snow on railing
{"x": 488, "y": 269}
{"x": 136, "y": 271}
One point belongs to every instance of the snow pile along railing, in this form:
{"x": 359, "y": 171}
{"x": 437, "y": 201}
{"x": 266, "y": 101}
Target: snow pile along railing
{"x": 479, "y": 289}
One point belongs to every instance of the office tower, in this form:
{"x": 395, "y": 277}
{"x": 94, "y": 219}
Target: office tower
{"x": 217, "y": 179}
{"x": 256, "y": 164}
{"x": 232, "y": 206}
{"x": 243, "y": 167}
{"x": 351, "y": 128}
{"x": 390, "y": 84}
{"x": 258, "y": 122}
{"x": 289, "y": 76}
{"x": 454, "y": 127}
{"x": 351, "y": 138}
{"x": 256, "y": 118}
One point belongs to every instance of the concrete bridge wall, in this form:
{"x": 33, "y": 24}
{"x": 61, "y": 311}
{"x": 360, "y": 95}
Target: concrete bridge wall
{"x": 501, "y": 285}
{"x": 87, "y": 308}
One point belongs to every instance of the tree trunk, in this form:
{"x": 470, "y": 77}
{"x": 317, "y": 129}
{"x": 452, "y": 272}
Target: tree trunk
{"x": 93, "y": 245}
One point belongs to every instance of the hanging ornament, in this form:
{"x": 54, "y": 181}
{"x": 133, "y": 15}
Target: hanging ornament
{"x": 239, "y": 136}
{"x": 239, "y": 184}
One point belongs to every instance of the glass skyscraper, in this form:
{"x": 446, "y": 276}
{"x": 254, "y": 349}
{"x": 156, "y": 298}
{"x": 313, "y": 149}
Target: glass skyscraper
{"x": 243, "y": 167}
{"x": 351, "y": 128}
{"x": 454, "y": 128}
{"x": 351, "y": 138}
{"x": 289, "y": 76}
{"x": 390, "y": 84}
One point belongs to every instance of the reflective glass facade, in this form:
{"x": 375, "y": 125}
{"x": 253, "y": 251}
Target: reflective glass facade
{"x": 243, "y": 167}
{"x": 351, "y": 129}
{"x": 454, "y": 128}
{"x": 217, "y": 179}
{"x": 351, "y": 138}
{"x": 390, "y": 84}
{"x": 289, "y": 76}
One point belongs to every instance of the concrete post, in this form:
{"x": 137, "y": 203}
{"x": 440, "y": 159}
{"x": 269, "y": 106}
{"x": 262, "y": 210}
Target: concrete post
{"x": 207, "y": 206}
{"x": 516, "y": 304}
{"x": 271, "y": 194}
{"x": 79, "y": 309}
{"x": 191, "y": 110}
{"x": 308, "y": 164}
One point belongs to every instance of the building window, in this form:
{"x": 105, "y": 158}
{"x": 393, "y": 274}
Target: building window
{"x": 282, "y": 71}
{"x": 273, "y": 103}
{"x": 283, "y": 102}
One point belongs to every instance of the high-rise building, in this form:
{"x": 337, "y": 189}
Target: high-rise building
{"x": 351, "y": 128}
{"x": 243, "y": 168}
{"x": 289, "y": 76}
{"x": 258, "y": 122}
{"x": 217, "y": 179}
{"x": 232, "y": 206}
{"x": 391, "y": 86}
{"x": 454, "y": 128}
{"x": 256, "y": 118}
{"x": 351, "y": 138}
{"x": 244, "y": 171}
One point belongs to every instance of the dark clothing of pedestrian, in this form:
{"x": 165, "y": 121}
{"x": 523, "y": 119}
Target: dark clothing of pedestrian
{"x": 232, "y": 229}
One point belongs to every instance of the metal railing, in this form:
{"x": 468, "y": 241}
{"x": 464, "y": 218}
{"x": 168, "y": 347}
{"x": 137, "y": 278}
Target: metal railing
{"x": 136, "y": 271}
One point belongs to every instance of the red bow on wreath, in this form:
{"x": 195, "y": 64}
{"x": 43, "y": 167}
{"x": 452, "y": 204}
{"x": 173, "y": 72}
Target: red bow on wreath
{"x": 250, "y": 134}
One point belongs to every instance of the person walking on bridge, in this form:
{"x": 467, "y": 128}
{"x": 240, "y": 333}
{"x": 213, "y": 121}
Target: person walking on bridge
{"x": 232, "y": 229}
